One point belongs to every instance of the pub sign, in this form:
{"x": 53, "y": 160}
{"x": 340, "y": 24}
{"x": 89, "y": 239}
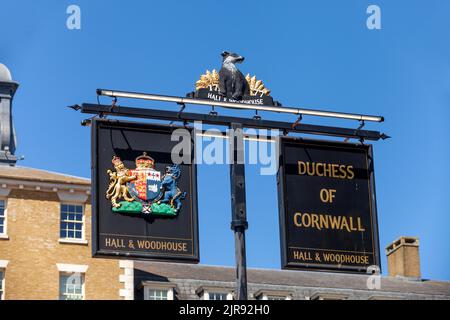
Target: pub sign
{"x": 144, "y": 205}
{"x": 327, "y": 207}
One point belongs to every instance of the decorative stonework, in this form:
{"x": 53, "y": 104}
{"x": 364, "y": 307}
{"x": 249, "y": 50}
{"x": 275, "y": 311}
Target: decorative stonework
{"x": 4, "y": 192}
{"x": 72, "y": 197}
{"x": 71, "y": 268}
{"x": 127, "y": 278}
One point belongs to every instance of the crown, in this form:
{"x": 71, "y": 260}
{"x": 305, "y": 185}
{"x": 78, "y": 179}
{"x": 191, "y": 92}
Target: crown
{"x": 144, "y": 161}
{"x": 116, "y": 161}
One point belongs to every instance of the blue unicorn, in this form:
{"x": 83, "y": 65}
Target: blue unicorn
{"x": 171, "y": 193}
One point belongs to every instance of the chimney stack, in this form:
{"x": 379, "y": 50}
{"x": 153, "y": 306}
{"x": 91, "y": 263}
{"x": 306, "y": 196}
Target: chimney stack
{"x": 403, "y": 258}
{"x": 8, "y": 143}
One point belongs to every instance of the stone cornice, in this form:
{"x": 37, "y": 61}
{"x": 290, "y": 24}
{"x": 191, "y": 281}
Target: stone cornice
{"x": 43, "y": 186}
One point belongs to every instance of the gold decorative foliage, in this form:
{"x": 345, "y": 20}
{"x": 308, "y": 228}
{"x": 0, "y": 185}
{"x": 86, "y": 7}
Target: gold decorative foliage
{"x": 210, "y": 81}
{"x": 256, "y": 87}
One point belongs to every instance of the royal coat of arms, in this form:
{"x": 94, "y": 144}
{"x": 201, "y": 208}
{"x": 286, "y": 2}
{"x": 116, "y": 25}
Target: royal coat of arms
{"x": 144, "y": 189}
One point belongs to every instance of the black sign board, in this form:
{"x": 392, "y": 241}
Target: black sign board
{"x": 328, "y": 217}
{"x": 143, "y": 205}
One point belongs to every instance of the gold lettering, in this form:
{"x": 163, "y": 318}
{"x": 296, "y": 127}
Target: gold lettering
{"x": 304, "y": 216}
{"x": 335, "y": 222}
{"x": 343, "y": 172}
{"x": 162, "y": 245}
{"x": 335, "y": 170}
{"x": 315, "y": 221}
{"x": 301, "y": 168}
{"x": 114, "y": 243}
{"x": 317, "y": 169}
{"x": 351, "y": 174}
{"x": 342, "y": 258}
{"x": 360, "y": 228}
{"x": 310, "y": 168}
{"x": 327, "y": 195}
{"x": 331, "y": 170}
{"x": 327, "y": 170}
{"x": 351, "y": 225}
{"x": 322, "y": 221}
{"x": 297, "y": 215}
{"x": 302, "y": 255}
{"x": 345, "y": 224}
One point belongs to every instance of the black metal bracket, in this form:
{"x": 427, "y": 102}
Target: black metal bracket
{"x": 113, "y": 103}
{"x": 226, "y": 120}
{"x": 213, "y": 112}
{"x": 361, "y": 125}
{"x": 239, "y": 224}
{"x": 296, "y": 122}
{"x": 182, "y": 107}
{"x": 256, "y": 116}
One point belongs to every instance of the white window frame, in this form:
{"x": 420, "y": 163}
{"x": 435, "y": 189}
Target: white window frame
{"x": 204, "y": 292}
{"x": 167, "y": 287}
{"x": 2, "y": 280}
{"x": 206, "y": 295}
{"x": 4, "y": 234}
{"x": 83, "y": 277}
{"x": 83, "y": 222}
{"x": 265, "y": 295}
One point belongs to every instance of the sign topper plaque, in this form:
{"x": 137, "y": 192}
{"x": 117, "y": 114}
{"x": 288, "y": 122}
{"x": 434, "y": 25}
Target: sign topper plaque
{"x": 144, "y": 205}
{"x": 328, "y": 217}
{"x": 230, "y": 85}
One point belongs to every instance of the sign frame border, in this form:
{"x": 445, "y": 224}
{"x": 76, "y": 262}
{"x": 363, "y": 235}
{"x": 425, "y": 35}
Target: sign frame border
{"x": 95, "y": 235}
{"x": 281, "y": 187}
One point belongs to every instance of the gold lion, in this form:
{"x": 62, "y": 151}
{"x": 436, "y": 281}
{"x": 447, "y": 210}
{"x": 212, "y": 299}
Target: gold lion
{"x": 117, "y": 183}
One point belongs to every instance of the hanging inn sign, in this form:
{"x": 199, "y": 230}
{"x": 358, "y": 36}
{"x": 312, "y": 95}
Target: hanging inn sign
{"x": 144, "y": 205}
{"x": 328, "y": 216}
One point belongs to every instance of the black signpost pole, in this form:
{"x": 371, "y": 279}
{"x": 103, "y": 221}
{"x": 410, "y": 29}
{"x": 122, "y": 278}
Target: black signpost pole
{"x": 239, "y": 217}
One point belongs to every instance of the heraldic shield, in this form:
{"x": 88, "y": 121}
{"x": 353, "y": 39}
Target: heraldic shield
{"x": 144, "y": 189}
{"x": 146, "y": 186}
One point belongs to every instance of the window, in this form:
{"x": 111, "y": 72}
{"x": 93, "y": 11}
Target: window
{"x": 71, "y": 286}
{"x": 154, "y": 290}
{"x": 273, "y": 295}
{"x": 2, "y": 217}
{"x": 214, "y": 293}
{"x": 218, "y": 296}
{"x": 157, "y": 294}
{"x": 72, "y": 221}
{"x": 2, "y": 283}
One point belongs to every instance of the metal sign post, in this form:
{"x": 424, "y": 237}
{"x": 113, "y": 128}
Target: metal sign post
{"x": 238, "y": 208}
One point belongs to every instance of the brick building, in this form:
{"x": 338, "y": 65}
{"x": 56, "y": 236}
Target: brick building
{"x": 45, "y": 240}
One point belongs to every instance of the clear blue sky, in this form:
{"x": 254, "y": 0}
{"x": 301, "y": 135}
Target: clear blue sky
{"x": 316, "y": 54}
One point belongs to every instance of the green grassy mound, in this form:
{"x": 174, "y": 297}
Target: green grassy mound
{"x": 129, "y": 207}
{"x": 163, "y": 209}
